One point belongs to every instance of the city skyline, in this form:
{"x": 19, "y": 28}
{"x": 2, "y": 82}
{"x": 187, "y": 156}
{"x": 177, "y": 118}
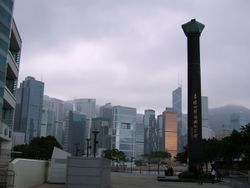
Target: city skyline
{"x": 133, "y": 53}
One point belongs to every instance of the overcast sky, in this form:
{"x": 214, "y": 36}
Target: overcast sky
{"x": 133, "y": 52}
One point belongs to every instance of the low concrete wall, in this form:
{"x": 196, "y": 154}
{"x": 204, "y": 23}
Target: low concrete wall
{"x": 57, "y": 171}
{"x": 28, "y": 172}
{"x": 58, "y": 166}
{"x": 88, "y": 172}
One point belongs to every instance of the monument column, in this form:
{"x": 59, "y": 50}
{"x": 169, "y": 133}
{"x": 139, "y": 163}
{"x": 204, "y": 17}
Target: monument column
{"x": 192, "y": 31}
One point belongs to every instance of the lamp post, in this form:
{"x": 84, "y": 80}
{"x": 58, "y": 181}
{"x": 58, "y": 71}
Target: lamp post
{"x": 88, "y": 146}
{"x": 131, "y": 167}
{"x": 95, "y": 132}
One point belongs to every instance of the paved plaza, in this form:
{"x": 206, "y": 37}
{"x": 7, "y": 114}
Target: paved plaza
{"x": 127, "y": 180}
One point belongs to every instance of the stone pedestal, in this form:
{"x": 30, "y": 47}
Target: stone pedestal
{"x": 88, "y": 172}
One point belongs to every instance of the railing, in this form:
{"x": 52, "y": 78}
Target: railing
{"x": 6, "y": 178}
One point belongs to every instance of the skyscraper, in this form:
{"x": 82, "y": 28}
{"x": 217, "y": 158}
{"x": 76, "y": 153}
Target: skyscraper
{"x": 139, "y": 136}
{"x": 177, "y": 106}
{"x": 75, "y": 136}
{"x": 29, "y": 108}
{"x": 103, "y": 126}
{"x": 160, "y": 128}
{"x": 54, "y": 112}
{"x": 87, "y": 107}
{"x": 106, "y": 111}
{"x": 170, "y": 131}
{"x": 150, "y": 132}
{"x": 123, "y": 130}
{"x": 237, "y": 120}
{"x": 206, "y": 130}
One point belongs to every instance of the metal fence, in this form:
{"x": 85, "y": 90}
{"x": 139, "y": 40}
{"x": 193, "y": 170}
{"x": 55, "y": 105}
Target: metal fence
{"x": 7, "y": 178}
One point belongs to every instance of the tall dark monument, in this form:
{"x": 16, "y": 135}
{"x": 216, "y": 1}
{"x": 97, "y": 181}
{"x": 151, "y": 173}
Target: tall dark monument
{"x": 193, "y": 31}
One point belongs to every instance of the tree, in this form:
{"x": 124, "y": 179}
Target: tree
{"x": 245, "y": 133}
{"x": 232, "y": 147}
{"x": 38, "y": 148}
{"x": 114, "y": 155}
{"x": 211, "y": 151}
{"x": 182, "y": 156}
{"x": 158, "y": 156}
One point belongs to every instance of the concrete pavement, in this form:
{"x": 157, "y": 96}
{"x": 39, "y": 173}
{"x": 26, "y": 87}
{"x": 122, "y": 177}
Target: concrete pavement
{"x": 127, "y": 180}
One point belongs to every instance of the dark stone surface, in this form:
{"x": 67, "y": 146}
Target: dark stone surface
{"x": 193, "y": 30}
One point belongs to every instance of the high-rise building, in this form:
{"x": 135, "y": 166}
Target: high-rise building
{"x": 139, "y": 136}
{"x": 74, "y": 141}
{"x": 206, "y": 130}
{"x": 103, "y": 127}
{"x": 160, "y": 128}
{"x": 87, "y": 107}
{"x": 150, "y": 132}
{"x": 237, "y": 120}
{"x": 177, "y": 106}
{"x": 106, "y": 111}
{"x": 52, "y": 117}
{"x": 123, "y": 130}
{"x": 10, "y": 51}
{"x": 29, "y": 108}
{"x": 170, "y": 131}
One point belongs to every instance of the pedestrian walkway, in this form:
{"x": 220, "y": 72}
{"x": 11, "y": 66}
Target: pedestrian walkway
{"x": 127, "y": 180}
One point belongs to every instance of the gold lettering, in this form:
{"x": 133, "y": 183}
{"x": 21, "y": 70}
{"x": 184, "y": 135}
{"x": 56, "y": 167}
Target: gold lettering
{"x": 195, "y": 111}
{"x": 195, "y": 102}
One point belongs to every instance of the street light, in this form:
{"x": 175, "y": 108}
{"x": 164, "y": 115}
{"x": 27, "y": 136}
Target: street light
{"x": 88, "y": 146}
{"x": 95, "y": 132}
{"x": 131, "y": 167}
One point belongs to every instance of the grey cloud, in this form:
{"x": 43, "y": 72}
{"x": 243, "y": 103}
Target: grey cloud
{"x": 134, "y": 52}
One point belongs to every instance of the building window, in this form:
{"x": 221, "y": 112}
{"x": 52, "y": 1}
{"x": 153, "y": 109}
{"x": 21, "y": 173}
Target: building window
{"x": 125, "y": 126}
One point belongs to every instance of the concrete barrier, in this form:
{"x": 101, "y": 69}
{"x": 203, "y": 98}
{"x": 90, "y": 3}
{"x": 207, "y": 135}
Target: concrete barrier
{"x": 57, "y": 166}
{"x": 28, "y": 172}
{"x": 88, "y": 172}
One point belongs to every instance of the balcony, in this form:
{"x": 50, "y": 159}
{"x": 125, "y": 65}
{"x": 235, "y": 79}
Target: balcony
{"x": 9, "y": 98}
{"x": 16, "y": 41}
{"x": 12, "y": 70}
{"x": 4, "y": 133}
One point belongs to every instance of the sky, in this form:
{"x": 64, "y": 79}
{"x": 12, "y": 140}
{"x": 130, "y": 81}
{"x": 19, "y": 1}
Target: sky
{"x": 134, "y": 52}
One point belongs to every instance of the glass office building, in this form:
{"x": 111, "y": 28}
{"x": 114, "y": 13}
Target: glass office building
{"x": 29, "y": 108}
{"x": 150, "y": 132}
{"x": 10, "y": 50}
{"x": 177, "y": 106}
{"x": 123, "y": 130}
{"x": 139, "y": 136}
{"x": 170, "y": 131}
{"x": 74, "y": 141}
